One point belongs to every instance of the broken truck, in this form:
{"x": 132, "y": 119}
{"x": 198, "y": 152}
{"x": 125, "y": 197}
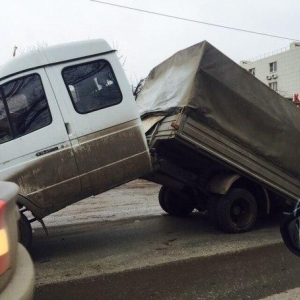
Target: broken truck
{"x": 210, "y": 133}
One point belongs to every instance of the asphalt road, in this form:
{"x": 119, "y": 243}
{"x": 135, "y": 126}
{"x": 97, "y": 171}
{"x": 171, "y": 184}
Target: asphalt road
{"x": 250, "y": 274}
{"x": 132, "y": 250}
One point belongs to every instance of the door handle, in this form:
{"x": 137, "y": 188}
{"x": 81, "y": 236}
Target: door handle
{"x": 69, "y": 130}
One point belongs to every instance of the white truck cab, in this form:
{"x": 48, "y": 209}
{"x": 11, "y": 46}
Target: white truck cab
{"x": 69, "y": 125}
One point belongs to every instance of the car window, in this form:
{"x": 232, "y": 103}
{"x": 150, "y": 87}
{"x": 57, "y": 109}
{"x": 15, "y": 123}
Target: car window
{"x": 24, "y": 106}
{"x": 5, "y": 130}
{"x": 92, "y": 86}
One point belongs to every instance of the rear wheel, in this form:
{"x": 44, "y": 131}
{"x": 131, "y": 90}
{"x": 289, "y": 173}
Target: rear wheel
{"x": 161, "y": 198}
{"x": 25, "y": 231}
{"x": 175, "y": 203}
{"x": 237, "y": 211}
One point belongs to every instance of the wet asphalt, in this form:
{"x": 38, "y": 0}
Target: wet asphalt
{"x": 249, "y": 274}
{"x": 120, "y": 245}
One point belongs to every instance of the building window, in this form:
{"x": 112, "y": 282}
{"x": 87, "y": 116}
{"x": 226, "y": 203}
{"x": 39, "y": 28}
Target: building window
{"x": 273, "y": 66}
{"x": 23, "y": 107}
{"x": 273, "y": 85}
{"x": 92, "y": 86}
{"x": 252, "y": 71}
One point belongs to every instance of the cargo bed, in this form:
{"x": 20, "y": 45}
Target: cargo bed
{"x": 193, "y": 140}
{"x": 220, "y": 139}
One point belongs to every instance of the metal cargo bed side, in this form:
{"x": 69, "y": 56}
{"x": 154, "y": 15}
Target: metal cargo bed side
{"x": 198, "y": 150}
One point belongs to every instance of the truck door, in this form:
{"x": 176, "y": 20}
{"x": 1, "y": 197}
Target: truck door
{"x": 102, "y": 120}
{"x": 35, "y": 150}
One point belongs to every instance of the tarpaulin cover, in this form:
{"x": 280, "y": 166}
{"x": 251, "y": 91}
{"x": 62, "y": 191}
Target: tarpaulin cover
{"x": 220, "y": 94}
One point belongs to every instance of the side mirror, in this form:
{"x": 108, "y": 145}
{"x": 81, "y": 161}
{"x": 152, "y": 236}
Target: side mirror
{"x": 290, "y": 231}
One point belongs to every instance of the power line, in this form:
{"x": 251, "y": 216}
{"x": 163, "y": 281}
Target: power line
{"x": 195, "y": 21}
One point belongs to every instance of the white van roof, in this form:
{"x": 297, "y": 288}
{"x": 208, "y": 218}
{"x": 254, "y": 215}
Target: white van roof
{"x": 52, "y": 55}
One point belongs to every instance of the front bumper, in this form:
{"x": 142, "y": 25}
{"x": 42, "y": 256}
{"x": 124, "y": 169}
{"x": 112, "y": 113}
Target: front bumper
{"x": 21, "y": 285}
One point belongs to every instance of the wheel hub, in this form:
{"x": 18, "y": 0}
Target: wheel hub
{"x": 236, "y": 210}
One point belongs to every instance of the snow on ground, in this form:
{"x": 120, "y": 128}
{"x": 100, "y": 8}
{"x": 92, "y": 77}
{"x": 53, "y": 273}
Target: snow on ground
{"x": 119, "y": 203}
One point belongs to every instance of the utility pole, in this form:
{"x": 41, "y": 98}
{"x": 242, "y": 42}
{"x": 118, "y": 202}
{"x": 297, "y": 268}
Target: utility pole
{"x": 15, "y": 51}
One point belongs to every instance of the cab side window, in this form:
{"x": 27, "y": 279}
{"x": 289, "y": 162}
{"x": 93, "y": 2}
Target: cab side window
{"x": 25, "y": 105}
{"x": 92, "y": 86}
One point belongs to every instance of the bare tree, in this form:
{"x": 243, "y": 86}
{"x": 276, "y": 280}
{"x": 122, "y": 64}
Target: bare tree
{"x": 136, "y": 89}
{"x": 39, "y": 45}
{"x": 120, "y": 54}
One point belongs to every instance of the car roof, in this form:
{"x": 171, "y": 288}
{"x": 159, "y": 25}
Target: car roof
{"x": 53, "y": 55}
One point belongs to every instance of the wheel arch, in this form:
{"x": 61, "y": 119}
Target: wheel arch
{"x": 222, "y": 183}
{"x": 35, "y": 210}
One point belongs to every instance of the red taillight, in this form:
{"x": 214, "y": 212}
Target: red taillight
{"x": 4, "y": 243}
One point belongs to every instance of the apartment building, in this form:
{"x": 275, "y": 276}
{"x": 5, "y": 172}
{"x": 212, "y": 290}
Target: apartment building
{"x": 280, "y": 70}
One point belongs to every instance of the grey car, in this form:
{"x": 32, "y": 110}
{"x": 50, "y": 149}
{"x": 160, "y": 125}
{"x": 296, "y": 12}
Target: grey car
{"x": 16, "y": 267}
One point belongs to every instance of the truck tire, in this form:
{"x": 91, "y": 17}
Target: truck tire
{"x": 237, "y": 211}
{"x": 25, "y": 231}
{"x": 175, "y": 203}
{"x": 161, "y": 198}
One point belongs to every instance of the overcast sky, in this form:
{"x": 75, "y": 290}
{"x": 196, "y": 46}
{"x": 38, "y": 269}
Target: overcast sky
{"x": 146, "y": 40}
